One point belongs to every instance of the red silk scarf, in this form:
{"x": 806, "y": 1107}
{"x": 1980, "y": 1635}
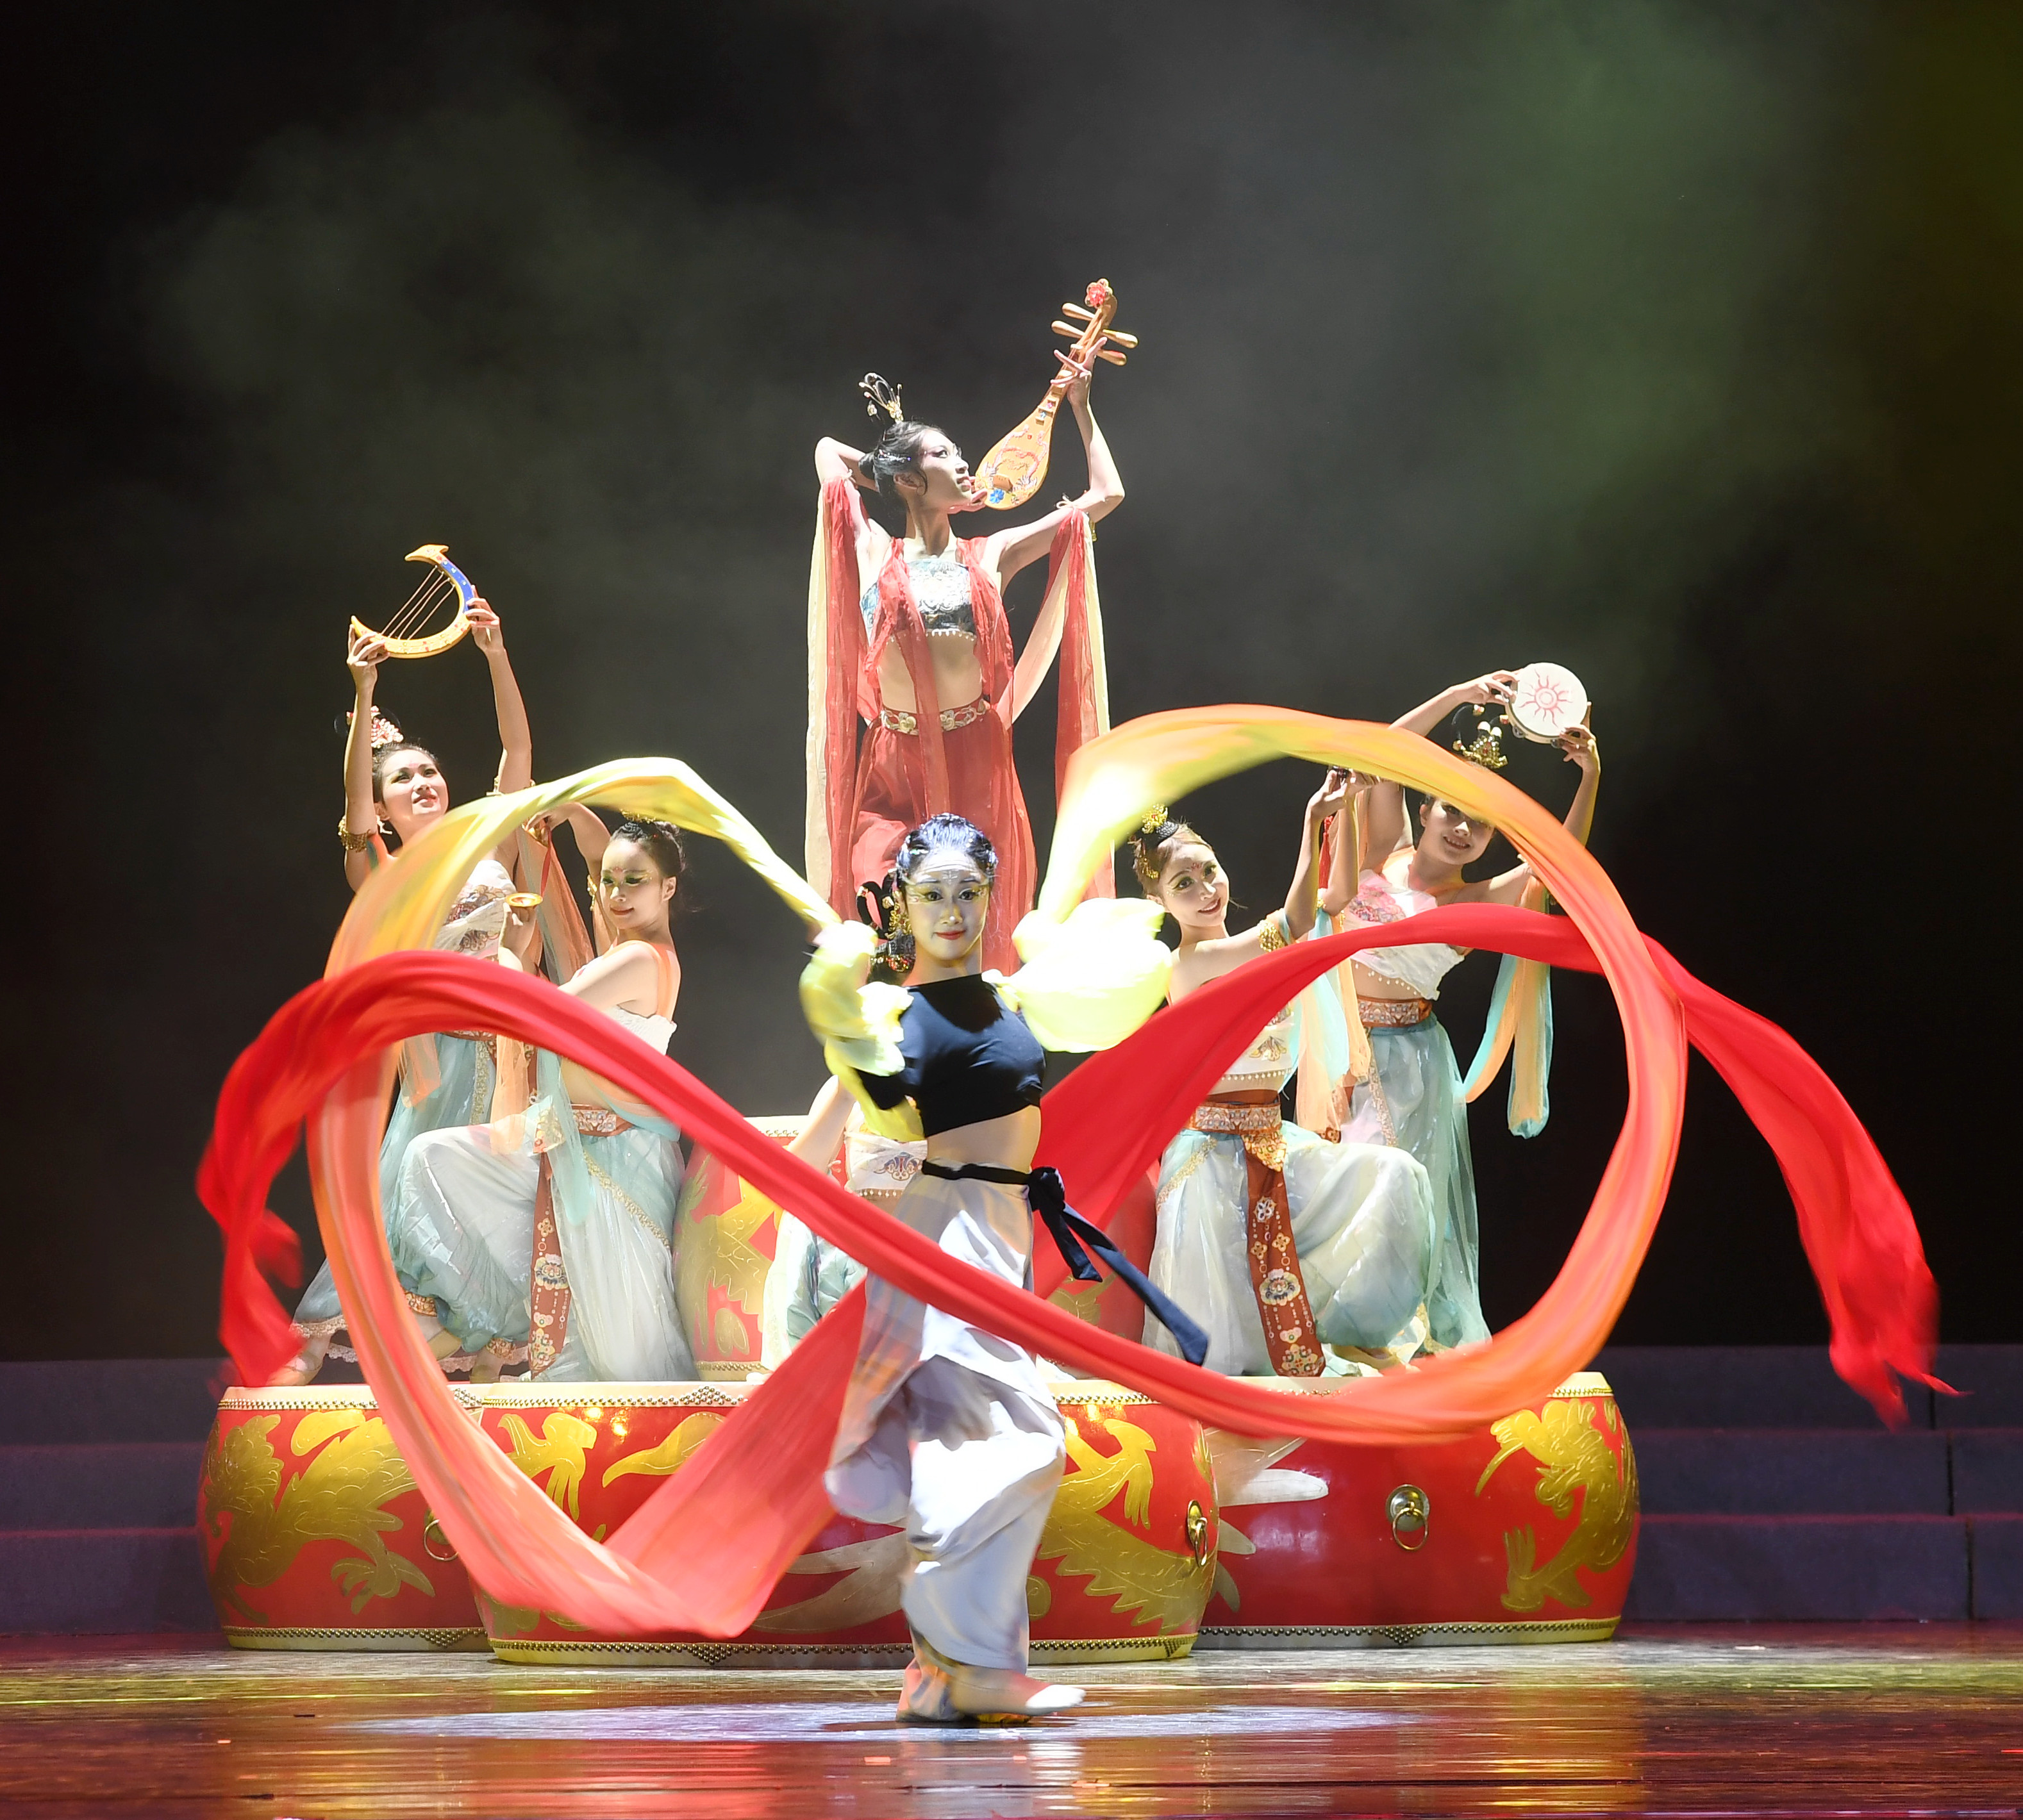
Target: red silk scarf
{"x": 704, "y": 1552}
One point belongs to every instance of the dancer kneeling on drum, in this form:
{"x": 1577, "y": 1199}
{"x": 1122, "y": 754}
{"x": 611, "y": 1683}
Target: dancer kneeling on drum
{"x": 1301, "y": 1256}
{"x": 947, "y": 1428}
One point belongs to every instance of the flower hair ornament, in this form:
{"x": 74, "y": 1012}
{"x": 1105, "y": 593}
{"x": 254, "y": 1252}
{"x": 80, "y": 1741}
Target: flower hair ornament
{"x": 880, "y": 394}
{"x": 385, "y": 732}
{"x": 1155, "y": 819}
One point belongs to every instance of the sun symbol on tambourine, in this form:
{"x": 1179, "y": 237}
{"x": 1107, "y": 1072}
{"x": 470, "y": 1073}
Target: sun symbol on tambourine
{"x": 1545, "y": 700}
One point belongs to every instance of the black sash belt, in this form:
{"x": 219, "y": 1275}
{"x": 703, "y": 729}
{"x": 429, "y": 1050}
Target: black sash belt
{"x": 1048, "y": 1199}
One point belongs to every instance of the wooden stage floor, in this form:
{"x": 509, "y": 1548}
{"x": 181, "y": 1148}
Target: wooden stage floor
{"x": 1807, "y": 1719}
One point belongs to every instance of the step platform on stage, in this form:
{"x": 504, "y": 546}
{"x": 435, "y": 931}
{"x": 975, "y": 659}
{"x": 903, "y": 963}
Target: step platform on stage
{"x": 1163, "y": 1537}
{"x": 1769, "y": 1493}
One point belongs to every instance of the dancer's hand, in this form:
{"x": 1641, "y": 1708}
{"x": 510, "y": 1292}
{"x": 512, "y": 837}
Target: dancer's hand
{"x": 362, "y": 658}
{"x": 1325, "y": 803}
{"x": 1493, "y": 690}
{"x": 1072, "y": 381}
{"x": 1360, "y": 783}
{"x": 1577, "y": 744}
{"x": 486, "y": 633}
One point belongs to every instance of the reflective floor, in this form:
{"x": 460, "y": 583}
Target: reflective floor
{"x": 1804, "y": 1719}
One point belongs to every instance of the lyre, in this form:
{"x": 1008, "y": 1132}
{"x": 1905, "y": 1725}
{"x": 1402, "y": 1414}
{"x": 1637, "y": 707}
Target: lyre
{"x": 1012, "y": 471}
{"x": 405, "y": 635}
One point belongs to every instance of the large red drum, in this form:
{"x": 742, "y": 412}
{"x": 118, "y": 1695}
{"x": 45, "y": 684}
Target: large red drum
{"x": 1525, "y": 1532}
{"x": 1122, "y": 1571}
{"x": 726, "y": 1233}
{"x": 315, "y": 1535}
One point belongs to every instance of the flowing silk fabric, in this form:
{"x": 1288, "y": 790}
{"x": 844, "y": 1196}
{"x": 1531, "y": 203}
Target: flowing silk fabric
{"x": 705, "y": 1551}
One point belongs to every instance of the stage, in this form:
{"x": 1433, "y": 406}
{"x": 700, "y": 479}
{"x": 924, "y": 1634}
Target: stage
{"x": 1742, "y": 1720}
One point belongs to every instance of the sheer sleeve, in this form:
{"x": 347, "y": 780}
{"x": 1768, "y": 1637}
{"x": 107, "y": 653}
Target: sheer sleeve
{"x": 1091, "y": 980}
{"x": 857, "y": 1020}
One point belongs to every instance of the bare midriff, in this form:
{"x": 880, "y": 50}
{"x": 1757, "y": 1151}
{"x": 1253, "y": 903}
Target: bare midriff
{"x": 1008, "y": 1142}
{"x": 958, "y": 675}
{"x": 1375, "y": 985}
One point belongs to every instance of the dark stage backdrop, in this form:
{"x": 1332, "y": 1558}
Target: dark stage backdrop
{"x": 1678, "y": 343}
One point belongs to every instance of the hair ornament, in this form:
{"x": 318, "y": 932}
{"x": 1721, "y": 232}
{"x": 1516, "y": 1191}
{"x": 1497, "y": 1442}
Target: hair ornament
{"x": 880, "y": 394}
{"x": 1486, "y": 749}
{"x": 385, "y": 732}
{"x": 1155, "y": 819}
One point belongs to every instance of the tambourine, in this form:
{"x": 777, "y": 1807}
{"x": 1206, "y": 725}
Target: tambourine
{"x": 1546, "y": 701}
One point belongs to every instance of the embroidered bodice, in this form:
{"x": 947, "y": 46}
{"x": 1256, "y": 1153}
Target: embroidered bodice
{"x": 1420, "y": 968}
{"x": 940, "y": 589}
{"x": 477, "y": 921}
{"x": 1269, "y": 1062}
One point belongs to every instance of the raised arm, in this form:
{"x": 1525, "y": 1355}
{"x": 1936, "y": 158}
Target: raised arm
{"x": 838, "y": 460}
{"x": 361, "y": 814}
{"x": 1351, "y": 838}
{"x": 516, "y": 738}
{"x": 1010, "y": 550}
{"x": 1492, "y": 689}
{"x": 1577, "y": 744}
{"x": 1303, "y": 896}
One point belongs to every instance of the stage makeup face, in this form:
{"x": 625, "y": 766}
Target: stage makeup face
{"x": 1194, "y": 889}
{"x": 1450, "y": 836}
{"x": 947, "y": 900}
{"x": 636, "y": 894}
{"x": 940, "y": 480}
{"x": 412, "y": 791}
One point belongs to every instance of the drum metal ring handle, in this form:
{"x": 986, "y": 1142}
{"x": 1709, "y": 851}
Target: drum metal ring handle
{"x": 432, "y": 1533}
{"x": 1410, "y": 1511}
{"x": 1197, "y": 1532}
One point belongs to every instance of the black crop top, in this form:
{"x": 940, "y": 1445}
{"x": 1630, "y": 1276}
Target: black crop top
{"x": 968, "y": 1058}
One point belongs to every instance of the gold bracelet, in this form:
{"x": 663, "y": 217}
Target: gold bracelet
{"x": 1273, "y": 933}
{"x": 353, "y": 843}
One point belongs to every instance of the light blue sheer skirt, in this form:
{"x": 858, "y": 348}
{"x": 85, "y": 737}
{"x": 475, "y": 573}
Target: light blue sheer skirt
{"x": 1415, "y": 1103}
{"x": 462, "y": 1230}
{"x": 462, "y": 1096}
{"x": 1362, "y": 1225}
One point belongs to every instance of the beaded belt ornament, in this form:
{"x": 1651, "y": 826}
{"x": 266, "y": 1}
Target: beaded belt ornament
{"x": 599, "y": 1121}
{"x": 1393, "y": 1014}
{"x": 1283, "y": 1310}
{"x": 899, "y": 720}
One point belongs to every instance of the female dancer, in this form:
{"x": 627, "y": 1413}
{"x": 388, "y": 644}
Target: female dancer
{"x": 948, "y": 1429}
{"x": 554, "y": 1232}
{"x": 1412, "y": 1098}
{"x": 393, "y": 785}
{"x": 910, "y": 633}
{"x": 1285, "y": 1245}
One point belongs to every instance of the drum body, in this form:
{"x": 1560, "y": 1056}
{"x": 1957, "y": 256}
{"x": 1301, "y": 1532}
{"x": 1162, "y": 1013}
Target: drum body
{"x": 1525, "y": 1532}
{"x": 316, "y": 1535}
{"x": 1121, "y": 1573}
{"x": 726, "y": 1233}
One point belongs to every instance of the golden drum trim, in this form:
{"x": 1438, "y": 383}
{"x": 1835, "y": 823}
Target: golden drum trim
{"x": 1573, "y": 1630}
{"x": 432, "y": 1642}
{"x": 789, "y": 1655}
{"x": 717, "y": 1395}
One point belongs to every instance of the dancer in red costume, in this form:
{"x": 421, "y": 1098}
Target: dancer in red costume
{"x": 908, "y": 634}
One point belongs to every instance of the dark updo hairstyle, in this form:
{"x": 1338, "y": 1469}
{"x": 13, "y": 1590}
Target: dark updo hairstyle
{"x": 1151, "y": 847}
{"x": 662, "y": 841}
{"x": 883, "y": 906}
{"x": 897, "y": 451}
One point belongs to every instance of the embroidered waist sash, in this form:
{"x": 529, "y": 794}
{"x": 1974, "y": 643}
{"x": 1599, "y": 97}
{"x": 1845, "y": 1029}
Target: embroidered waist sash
{"x": 1290, "y": 1337}
{"x": 900, "y": 720}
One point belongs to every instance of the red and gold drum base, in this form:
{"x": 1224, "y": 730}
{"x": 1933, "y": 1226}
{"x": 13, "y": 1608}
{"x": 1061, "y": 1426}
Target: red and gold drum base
{"x": 315, "y": 1535}
{"x": 1525, "y": 1532}
{"x": 1122, "y": 1571}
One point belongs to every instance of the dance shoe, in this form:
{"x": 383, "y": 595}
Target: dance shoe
{"x": 939, "y": 1691}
